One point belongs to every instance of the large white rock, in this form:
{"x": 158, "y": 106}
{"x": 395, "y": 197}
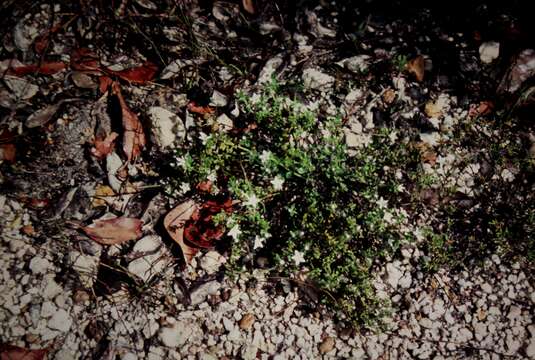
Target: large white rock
{"x": 356, "y": 63}
{"x": 167, "y": 129}
{"x": 153, "y": 262}
{"x": 316, "y": 80}
{"x": 269, "y": 69}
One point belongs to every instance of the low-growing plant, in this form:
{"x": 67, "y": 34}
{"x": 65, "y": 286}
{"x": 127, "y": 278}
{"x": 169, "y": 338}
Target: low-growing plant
{"x": 302, "y": 199}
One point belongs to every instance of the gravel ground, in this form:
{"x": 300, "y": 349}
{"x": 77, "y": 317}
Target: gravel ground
{"x": 483, "y": 312}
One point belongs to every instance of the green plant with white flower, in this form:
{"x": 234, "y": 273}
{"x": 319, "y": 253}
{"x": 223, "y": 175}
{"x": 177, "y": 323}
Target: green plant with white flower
{"x": 303, "y": 200}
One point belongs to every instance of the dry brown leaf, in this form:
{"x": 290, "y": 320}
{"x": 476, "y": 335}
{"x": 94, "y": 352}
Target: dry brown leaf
{"x": 104, "y": 83}
{"x": 248, "y": 6}
{"x": 133, "y": 137}
{"x": 194, "y": 108}
{"x": 114, "y": 231}
{"x": 84, "y": 59}
{"x": 137, "y": 75}
{"x": 103, "y": 147}
{"x": 389, "y": 96}
{"x": 101, "y": 193}
{"x": 11, "y": 352}
{"x": 429, "y": 157}
{"x": 416, "y": 67}
{"x": 174, "y": 223}
{"x": 7, "y": 152}
{"x": 481, "y": 109}
{"x": 47, "y": 68}
{"x": 433, "y": 109}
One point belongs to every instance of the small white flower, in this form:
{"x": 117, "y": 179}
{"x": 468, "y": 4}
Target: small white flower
{"x": 258, "y": 242}
{"x": 181, "y": 161}
{"x": 393, "y": 137}
{"x": 400, "y": 188}
{"x": 204, "y": 138}
{"x": 298, "y": 257}
{"x": 382, "y": 203}
{"x": 507, "y": 175}
{"x": 211, "y": 177}
{"x": 277, "y": 183}
{"x": 264, "y": 157}
{"x": 387, "y": 217}
{"x": 185, "y": 187}
{"x": 235, "y": 232}
{"x": 252, "y": 201}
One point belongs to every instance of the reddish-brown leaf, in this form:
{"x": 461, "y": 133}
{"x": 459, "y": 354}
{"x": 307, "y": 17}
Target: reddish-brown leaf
{"x": 11, "y": 352}
{"x": 47, "y": 68}
{"x": 248, "y": 6}
{"x": 416, "y": 67}
{"x": 481, "y": 109}
{"x": 137, "y": 75}
{"x": 133, "y": 137}
{"x": 114, "y": 231}
{"x": 7, "y": 152}
{"x": 174, "y": 223}
{"x": 42, "y": 41}
{"x": 104, "y": 83}
{"x": 194, "y": 108}
{"x": 200, "y": 230}
{"x": 103, "y": 147}
{"x": 205, "y": 186}
{"x": 84, "y": 59}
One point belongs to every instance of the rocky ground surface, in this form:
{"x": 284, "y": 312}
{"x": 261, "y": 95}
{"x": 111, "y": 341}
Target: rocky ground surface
{"x": 67, "y": 294}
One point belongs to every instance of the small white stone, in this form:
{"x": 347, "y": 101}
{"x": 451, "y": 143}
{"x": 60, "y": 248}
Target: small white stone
{"x": 61, "y": 321}
{"x": 486, "y": 287}
{"x": 48, "y": 309}
{"x": 52, "y": 289}
{"x": 394, "y": 275}
{"x": 530, "y": 349}
{"x": 39, "y": 265}
{"x": 489, "y": 51}
{"x": 176, "y": 335}
{"x": 199, "y": 294}
{"x": 218, "y": 99}
{"x": 225, "y": 123}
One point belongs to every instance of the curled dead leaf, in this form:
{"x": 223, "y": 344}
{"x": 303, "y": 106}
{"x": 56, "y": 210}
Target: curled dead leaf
{"x": 7, "y": 152}
{"x": 416, "y": 67}
{"x": 115, "y": 230}
{"x": 133, "y": 137}
{"x": 103, "y": 147}
{"x": 102, "y": 192}
{"x": 248, "y": 6}
{"x": 137, "y": 75}
{"x": 194, "y": 108}
{"x": 47, "y": 68}
{"x": 175, "y": 221}
{"x": 84, "y": 59}
{"x": 389, "y": 96}
{"x": 481, "y": 109}
{"x": 104, "y": 83}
